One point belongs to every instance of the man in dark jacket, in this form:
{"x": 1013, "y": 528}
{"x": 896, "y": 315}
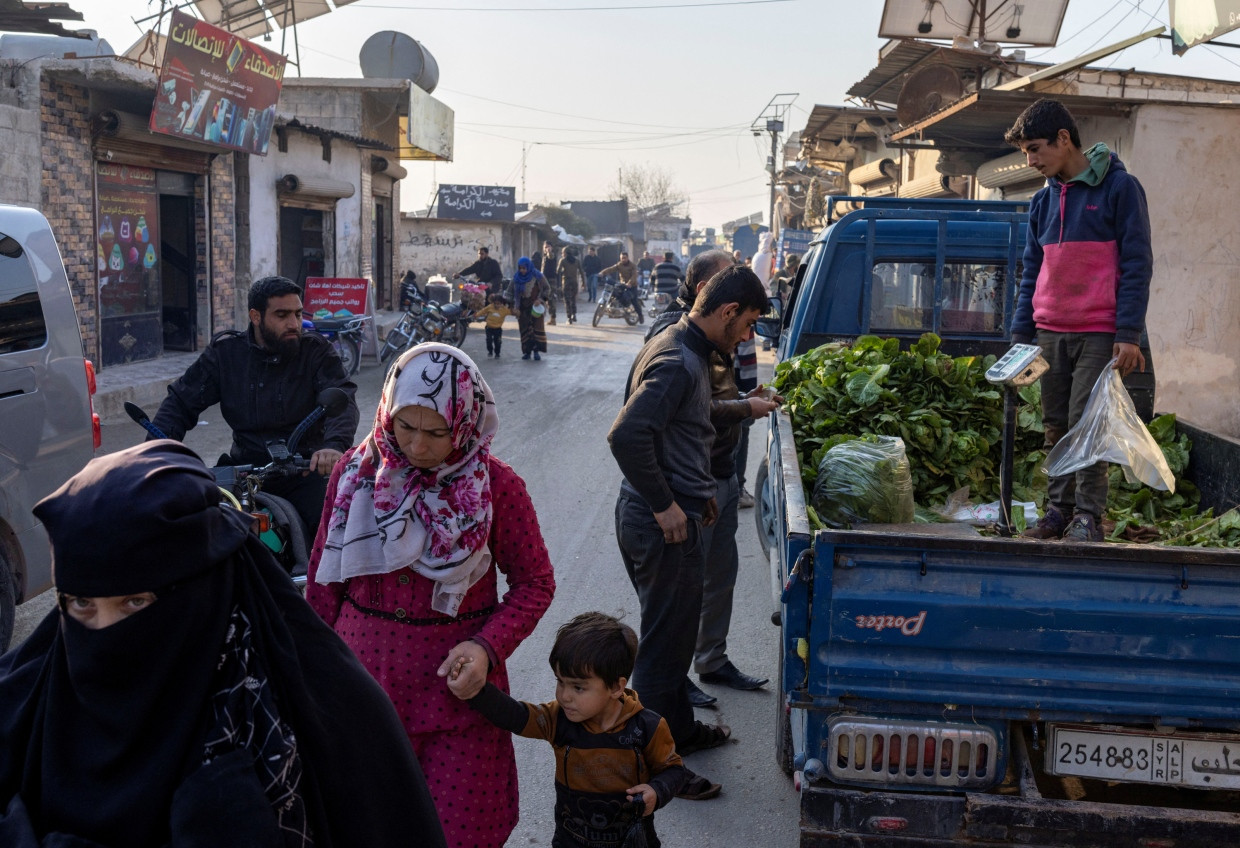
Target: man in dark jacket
{"x": 729, "y": 411}
{"x": 547, "y": 262}
{"x": 661, "y": 440}
{"x": 487, "y": 271}
{"x": 266, "y": 380}
{"x": 590, "y": 266}
{"x": 626, "y": 289}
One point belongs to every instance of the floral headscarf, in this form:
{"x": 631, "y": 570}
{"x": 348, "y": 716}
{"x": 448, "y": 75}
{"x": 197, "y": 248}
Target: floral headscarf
{"x": 389, "y": 515}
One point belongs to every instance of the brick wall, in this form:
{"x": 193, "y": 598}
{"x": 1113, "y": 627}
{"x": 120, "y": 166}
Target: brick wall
{"x": 68, "y": 196}
{"x": 227, "y": 296}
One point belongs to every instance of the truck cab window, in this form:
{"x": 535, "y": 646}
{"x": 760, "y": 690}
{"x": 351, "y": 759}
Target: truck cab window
{"x": 902, "y": 297}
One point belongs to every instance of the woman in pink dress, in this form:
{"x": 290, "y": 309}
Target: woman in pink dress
{"x": 417, "y": 521}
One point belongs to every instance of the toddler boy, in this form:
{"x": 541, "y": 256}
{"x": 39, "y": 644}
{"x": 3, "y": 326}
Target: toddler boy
{"x": 494, "y": 312}
{"x": 611, "y": 753}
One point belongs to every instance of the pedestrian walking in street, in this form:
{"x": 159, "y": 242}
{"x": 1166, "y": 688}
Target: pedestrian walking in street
{"x": 624, "y": 764}
{"x": 494, "y": 314}
{"x": 547, "y": 262}
{"x": 1083, "y": 293}
{"x": 529, "y": 297}
{"x": 661, "y": 440}
{"x": 182, "y": 693}
{"x": 590, "y": 266}
{"x": 569, "y": 272}
{"x": 729, "y": 410}
{"x": 420, "y": 520}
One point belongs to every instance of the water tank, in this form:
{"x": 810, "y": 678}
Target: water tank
{"x": 23, "y": 48}
{"x": 394, "y": 55}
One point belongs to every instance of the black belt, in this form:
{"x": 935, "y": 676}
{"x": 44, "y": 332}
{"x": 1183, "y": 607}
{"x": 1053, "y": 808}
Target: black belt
{"x": 401, "y": 618}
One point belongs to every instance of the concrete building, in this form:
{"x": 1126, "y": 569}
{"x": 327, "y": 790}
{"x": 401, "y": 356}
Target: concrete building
{"x": 1173, "y": 133}
{"x": 161, "y": 235}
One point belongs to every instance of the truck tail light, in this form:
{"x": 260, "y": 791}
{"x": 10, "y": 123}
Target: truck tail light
{"x": 886, "y": 824}
{"x": 96, "y": 429}
{"x": 912, "y": 753}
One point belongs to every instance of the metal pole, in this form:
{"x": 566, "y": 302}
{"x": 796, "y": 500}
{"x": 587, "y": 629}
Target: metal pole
{"x": 1007, "y": 461}
{"x": 774, "y": 147}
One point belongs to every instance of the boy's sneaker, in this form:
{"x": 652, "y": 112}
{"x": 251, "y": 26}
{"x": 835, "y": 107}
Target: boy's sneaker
{"x": 1082, "y": 528}
{"x": 1049, "y": 526}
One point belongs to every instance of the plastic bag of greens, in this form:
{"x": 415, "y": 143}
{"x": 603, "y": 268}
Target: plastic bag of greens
{"x": 1111, "y": 431}
{"x": 864, "y": 481}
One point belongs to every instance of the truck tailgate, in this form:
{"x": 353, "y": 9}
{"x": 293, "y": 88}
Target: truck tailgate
{"x": 1010, "y": 628}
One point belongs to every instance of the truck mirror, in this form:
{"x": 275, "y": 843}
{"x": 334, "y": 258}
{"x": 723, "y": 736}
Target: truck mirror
{"x": 768, "y": 325}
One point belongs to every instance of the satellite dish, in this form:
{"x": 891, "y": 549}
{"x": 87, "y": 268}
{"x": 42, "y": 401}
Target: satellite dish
{"x": 394, "y": 55}
{"x": 927, "y": 91}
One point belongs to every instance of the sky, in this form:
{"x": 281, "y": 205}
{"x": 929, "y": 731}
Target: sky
{"x": 554, "y": 97}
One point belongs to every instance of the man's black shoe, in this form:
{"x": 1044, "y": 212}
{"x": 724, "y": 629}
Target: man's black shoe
{"x": 697, "y": 697}
{"x": 729, "y": 675}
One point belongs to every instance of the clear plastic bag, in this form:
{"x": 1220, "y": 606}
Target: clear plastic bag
{"x": 864, "y": 481}
{"x": 1111, "y": 431}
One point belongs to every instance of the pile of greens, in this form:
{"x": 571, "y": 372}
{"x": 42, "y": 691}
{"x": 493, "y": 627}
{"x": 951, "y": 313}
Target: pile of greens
{"x": 864, "y": 480}
{"x": 950, "y": 419}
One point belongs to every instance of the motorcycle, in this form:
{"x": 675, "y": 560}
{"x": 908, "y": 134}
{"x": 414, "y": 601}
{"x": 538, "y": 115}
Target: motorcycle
{"x": 345, "y": 335}
{"x": 613, "y": 305}
{"x": 423, "y": 321}
{"x": 662, "y": 300}
{"x": 275, "y": 520}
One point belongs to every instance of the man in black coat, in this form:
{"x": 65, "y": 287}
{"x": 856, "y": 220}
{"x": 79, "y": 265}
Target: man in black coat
{"x": 487, "y": 271}
{"x": 266, "y": 380}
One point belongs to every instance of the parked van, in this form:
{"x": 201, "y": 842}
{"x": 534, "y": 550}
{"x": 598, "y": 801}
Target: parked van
{"x": 48, "y": 427}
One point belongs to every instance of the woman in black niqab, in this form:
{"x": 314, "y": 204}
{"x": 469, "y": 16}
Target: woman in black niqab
{"x": 224, "y": 713}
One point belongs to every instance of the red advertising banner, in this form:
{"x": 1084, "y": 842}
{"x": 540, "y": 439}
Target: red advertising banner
{"x": 216, "y": 87}
{"x": 127, "y": 249}
{"x": 335, "y": 294}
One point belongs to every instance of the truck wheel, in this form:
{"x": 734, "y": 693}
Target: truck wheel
{"x": 764, "y": 508}
{"x": 8, "y": 601}
{"x": 783, "y": 723}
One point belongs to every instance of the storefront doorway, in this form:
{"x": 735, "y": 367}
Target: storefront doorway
{"x": 305, "y": 243}
{"x": 178, "y": 261}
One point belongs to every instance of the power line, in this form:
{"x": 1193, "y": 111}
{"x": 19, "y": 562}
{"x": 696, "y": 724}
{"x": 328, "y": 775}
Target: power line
{"x": 704, "y": 5}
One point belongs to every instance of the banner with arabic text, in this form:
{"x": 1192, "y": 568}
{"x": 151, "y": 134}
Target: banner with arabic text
{"x": 216, "y": 88}
{"x": 478, "y": 203}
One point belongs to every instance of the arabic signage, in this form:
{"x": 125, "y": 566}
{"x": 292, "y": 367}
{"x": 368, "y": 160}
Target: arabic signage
{"x": 1195, "y": 21}
{"x": 127, "y": 255}
{"x": 477, "y": 203}
{"x": 216, "y": 88}
{"x": 336, "y": 294}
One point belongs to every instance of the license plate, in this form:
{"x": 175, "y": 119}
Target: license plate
{"x": 1207, "y": 762}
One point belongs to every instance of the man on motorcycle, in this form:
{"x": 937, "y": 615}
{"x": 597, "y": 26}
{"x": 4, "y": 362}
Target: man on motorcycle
{"x": 487, "y": 271}
{"x": 626, "y": 291}
{"x": 266, "y": 380}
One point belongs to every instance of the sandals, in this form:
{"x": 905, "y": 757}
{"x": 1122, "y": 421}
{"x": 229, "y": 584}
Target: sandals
{"x": 699, "y": 788}
{"x": 705, "y": 736}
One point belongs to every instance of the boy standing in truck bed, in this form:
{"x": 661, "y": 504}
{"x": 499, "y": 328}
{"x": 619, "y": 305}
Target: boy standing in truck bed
{"x": 1083, "y": 292}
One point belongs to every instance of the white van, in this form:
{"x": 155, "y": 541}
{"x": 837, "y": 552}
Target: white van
{"x": 48, "y": 428}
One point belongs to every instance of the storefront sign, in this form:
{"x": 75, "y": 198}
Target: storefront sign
{"x": 335, "y": 294}
{"x": 127, "y": 257}
{"x": 477, "y": 203}
{"x": 216, "y": 88}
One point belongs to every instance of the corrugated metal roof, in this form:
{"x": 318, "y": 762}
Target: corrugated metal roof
{"x": 902, "y": 57}
{"x": 832, "y": 123}
{"x": 16, "y": 16}
{"x": 323, "y": 132}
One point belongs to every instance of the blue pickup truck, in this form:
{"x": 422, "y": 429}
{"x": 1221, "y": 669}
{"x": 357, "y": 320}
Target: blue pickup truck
{"x": 938, "y": 687}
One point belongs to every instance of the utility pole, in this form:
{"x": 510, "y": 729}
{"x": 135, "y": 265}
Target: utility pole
{"x": 772, "y": 120}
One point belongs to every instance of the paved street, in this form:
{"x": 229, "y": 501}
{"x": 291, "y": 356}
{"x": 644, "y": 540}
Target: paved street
{"x": 554, "y": 418}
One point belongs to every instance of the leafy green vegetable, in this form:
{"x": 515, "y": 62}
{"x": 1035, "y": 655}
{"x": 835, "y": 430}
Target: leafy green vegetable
{"x": 864, "y": 481}
{"x": 950, "y": 420}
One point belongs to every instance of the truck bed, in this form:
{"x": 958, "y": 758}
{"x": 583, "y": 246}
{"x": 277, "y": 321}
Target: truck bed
{"x": 1011, "y": 628}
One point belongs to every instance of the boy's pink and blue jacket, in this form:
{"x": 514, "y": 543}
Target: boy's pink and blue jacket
{"x": 1088, "y": 261}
